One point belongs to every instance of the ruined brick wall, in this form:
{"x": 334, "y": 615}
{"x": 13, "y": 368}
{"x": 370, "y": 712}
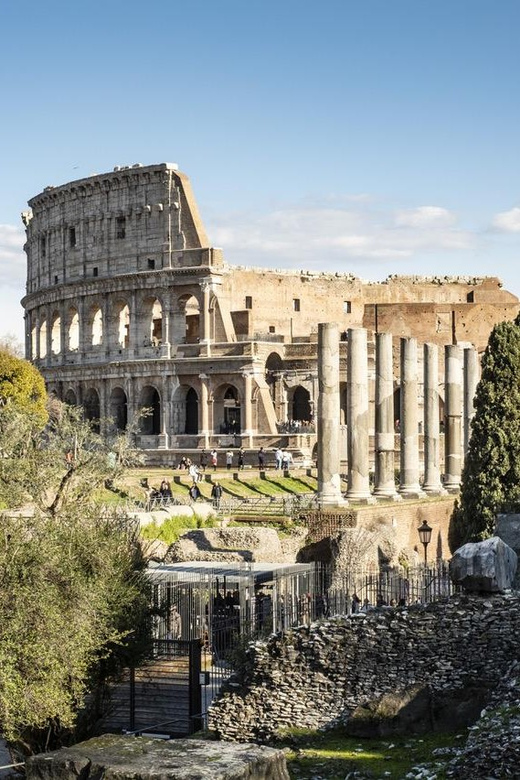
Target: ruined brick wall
{"x": 313, "y": 677}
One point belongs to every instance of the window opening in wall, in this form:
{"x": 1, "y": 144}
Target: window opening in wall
{"x": 470, "y": 298}
{"x": 43, "y": 339}
{"x": 43, "y": 247}
{"x": 120, "y": 227}
{"x": 156, "y": 329}
{"x": 95, "y": 271}
{"x": 347, "y": 307}
{"x": 73, "y": 330}
{"x": 249, "y": 301}
{"x": 272, "y": 329}
{"x": 296, "y": 304}
{"x": 72, "y": 237}
{"x": 151, "y": 264}
{"x": 55, "y": 280}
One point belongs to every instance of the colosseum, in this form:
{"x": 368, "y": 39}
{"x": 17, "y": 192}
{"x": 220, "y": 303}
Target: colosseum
{"x": 128, "y": 306}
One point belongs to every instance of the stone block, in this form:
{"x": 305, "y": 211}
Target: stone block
{"x": 126, "y": 758}
{"x": 485, "y": 567}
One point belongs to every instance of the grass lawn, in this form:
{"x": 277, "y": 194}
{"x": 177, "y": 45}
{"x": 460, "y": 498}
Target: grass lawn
{"x": 332, "y": 756}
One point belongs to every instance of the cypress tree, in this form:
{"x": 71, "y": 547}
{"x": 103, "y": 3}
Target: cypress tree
{"x": 491, "y": 475}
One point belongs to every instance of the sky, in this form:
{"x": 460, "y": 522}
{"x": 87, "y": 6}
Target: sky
{"x": 373, "y": 137}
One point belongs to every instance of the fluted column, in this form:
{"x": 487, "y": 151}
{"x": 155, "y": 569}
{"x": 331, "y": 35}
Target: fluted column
{"x": 471, "y": 378}
{"x": 384, "y": 441}
{"x": 409, "y": 420}
{"x": 357, "y": 416}
{"x": 329, "y": 481}
{"x": 453, "y": 417}
{"x": 432, "y": 469}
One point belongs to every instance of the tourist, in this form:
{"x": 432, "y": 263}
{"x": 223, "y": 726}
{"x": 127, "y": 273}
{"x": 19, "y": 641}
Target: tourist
{"x": 194, "y": 492}
{"x": 261, "y": 459}
{"x": 216, "y": 494}
{"x": 229, "y": 459}
{"x": 203, "y": 460}
{"x": 214, "y": 459}
{"x": 241, "y": 454}
{"x": 278, "y": 458}
{"x": 165, "y": 490}
{"x": 367, "y": 606}
{"x": 356, "y": 604}
{"x": 194, "y": 472}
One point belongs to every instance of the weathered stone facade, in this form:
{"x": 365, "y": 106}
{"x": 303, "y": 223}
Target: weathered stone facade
{"x": 314, "y": 677}
{"x": 128, "y": 305}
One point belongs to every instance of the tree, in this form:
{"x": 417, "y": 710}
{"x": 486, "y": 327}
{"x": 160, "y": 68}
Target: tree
{"x": 22, "y": 384}
{"x": 491, "y": 475}
{"x": 74, "y": 598}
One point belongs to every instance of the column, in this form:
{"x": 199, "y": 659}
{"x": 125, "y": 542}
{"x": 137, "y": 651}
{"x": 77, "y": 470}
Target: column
{"x": 471, "y": 378}
{"x": 452, "y": 417}
{"x": 329, "y": 481}
{"x": 163, "y": 438}
{"x": 385, "y": 438}
{"x": 206, "y": 317}
{"x": 357, "y": 416}
{"x": 248, "y": 409}
{"x": 409, "y": 421}
{"x": 165, "y": 349}
{"x": 64, "y": 333}
{"x": 432, "y": 469}
{"x": 204, "y": 410}
{"x": 135, "y": 342}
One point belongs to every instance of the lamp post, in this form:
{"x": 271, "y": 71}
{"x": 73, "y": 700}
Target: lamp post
{"x": 425, "y": 535}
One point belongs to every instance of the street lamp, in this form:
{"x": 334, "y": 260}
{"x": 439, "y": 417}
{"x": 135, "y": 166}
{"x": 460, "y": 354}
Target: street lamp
{"x": 425, "y": 535}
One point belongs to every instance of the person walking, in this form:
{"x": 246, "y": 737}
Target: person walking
{"x": 241, "y": 454}
{"x": 214, "y": 459}
{"x": 278, "y": 455}
{"x": 261, "y": 459}
{"x": 216, "y": 494}
{"x": 194, "y": 492}
{"x": 203, "y": 460}
{"x": 229, "y": 459}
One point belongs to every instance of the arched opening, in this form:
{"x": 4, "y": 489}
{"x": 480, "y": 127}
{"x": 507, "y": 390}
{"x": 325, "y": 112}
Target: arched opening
{"x": 301, "y": 406}
{"x": 189, "y": 306}
{"x": 97, "y": 328}
{"x": 56, "y": 335}
{"x": 123, "y": 327}
{"x": 73, "y": 333}
{"x": 151, "y": 424}
{"x": 34, "y": 341}
{"x": 192, "y": 412}
{"x": 70, "y": 397}
{"x": 92, "y": 407}
{"x": 343, "y": 403}
{"x": 156, "y": 332}
{"x": 119, "y": 408}
{"x": 231, "y": 411}
{"x": 273, "y": 367}
{"x": 43, "y": 339}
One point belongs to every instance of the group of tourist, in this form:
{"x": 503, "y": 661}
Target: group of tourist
{"x": 296, "y": 426}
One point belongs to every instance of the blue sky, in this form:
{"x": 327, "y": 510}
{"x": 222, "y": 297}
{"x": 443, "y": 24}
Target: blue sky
{"x": 370, "y": 136}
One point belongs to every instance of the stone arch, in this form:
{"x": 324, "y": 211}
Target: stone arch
{"x": 153, "y": 322}
{"x": 122, "y": 318}
{"x": 96, "y": 326}
{"x": 43, "y": 339}
{"x": 185, "y": 410}
{"x": 56, "y": 334}
{"x": 301, "y": 404}
{"x": 70, "y": 397}
{"x": 273, "y": 367}
{"x": 188, "y": 308}
{"x": 34, "y": 341}
{"x": 227, "y": 410}
{"x": 118, "y": 405}
{"x": 73, "y": 330}
{"x": 92, "y": 407}
{"x": 150, "y": 399}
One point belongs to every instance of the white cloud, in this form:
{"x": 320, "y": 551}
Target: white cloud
{"x": 331, "y": 236}
{"x": 508, "y": 221}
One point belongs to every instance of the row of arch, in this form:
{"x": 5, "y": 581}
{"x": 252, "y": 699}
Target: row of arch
{"x": 63, "y": 331}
